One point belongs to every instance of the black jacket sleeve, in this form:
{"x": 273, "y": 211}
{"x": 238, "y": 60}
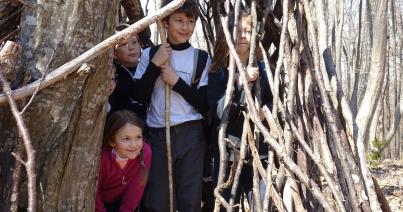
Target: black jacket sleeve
{"x": 265, "y": 91}
{"x": 196, "y": 97}
{"x": 216, "y": 91}
{"x": 145, "y": 85}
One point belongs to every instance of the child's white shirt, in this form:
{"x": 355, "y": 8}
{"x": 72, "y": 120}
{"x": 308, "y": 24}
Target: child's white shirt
{"x": 181, "y": 111}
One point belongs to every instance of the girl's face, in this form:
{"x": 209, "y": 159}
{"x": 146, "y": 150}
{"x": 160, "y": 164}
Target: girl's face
{"x": 127, "y": 52}
{"x": 244, "y": 35}
{"x": 128, "y": 141}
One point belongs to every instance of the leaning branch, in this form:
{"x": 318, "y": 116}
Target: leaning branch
{"x": 94, "y": 52}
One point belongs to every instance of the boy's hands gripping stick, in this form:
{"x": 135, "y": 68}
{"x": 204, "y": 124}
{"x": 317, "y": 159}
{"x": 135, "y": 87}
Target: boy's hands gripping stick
{"x": 162, "y": 55}
{"x": 168, "y": 75}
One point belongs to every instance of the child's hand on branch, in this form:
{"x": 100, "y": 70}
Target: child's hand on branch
{"x": 252, "y": 73}
{"x": 168, "y": 75}
{"x": 162, "y": 55}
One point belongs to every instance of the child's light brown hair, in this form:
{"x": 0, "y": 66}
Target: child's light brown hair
{"x": 121, "y": 27}
{"x": 221, "y": 50}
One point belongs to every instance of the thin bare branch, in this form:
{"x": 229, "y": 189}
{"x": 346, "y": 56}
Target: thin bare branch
{"x": 40, "y": 82}
{"x": 224, "y": 119}
{"x": 16, "y": 180}
{"x": 241, "y": 161}
{"x": 280, "y": 58}
{"x": 30, "y": 163}
{"x": 330, "y": 180}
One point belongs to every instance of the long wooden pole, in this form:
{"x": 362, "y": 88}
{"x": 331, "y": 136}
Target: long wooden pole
{"x": 71, "y": 66}
{"x": 163, "y": 36}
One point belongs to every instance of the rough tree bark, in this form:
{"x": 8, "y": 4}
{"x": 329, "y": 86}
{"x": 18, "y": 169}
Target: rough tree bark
{"x": 66, "y": 135}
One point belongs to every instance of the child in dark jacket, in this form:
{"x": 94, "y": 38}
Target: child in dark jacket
{"x": 125, "y": 164}
{"x": 218, "y": 78}
{"x": 126, "y": 58}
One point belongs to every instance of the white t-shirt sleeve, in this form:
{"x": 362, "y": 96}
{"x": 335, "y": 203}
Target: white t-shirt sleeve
{"x": 142, "y": 66}
{"x": 204, "y": 76}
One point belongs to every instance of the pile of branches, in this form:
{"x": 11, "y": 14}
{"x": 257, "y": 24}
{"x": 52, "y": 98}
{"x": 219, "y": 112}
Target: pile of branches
{"x": 310, "y": 131}
{"x": 318, "y": 146}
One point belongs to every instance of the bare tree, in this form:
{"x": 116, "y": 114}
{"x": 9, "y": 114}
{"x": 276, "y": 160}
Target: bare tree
{"x": 371, "y": 97}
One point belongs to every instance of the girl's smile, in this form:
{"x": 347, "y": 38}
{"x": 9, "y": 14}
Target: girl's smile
{"x": 128, "y": 141}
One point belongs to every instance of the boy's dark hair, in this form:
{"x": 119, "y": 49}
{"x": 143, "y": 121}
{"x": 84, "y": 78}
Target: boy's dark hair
{"x": 190, "y": 8}
{"x": 121, "y": 27}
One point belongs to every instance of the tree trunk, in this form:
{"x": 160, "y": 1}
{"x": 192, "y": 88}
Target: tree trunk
{"x": 356, "y": 66}
{"x": 67, "y": 135}
{"x": 366, "y": 58}
{"x": 371, "y": 96}
{"x": 134, "y": 12}
{"x": 392, "y": 125}
{"x": 338, "y": 22}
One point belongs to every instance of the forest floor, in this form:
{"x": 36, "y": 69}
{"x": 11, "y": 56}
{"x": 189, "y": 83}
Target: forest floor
{"x": 389, "y": 174}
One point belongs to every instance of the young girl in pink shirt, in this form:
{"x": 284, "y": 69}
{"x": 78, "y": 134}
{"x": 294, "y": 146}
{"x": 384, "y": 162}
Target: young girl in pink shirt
{"x": 125, "y": 164}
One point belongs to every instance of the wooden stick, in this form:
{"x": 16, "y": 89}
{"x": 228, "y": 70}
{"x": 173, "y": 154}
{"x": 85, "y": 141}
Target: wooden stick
{"x": 71, "y": 66}
{"x": 256, "y": 162}
{"x": 330, "y": 116}
{"x": 252, "y": 48}
{"x": 280, "y": 59}
{"x": 30, "y": 163}
{"x": 270, "y": 78}
{"x": 224, "y": 121}
{"x": 241, "y": 162}
{"x": 163, "y": 36}
{"x": 331, "y": 183}
{"x": 15, "y": 195}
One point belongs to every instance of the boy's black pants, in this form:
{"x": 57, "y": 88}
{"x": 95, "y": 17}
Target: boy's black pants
{"x": 188, "y": 146}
